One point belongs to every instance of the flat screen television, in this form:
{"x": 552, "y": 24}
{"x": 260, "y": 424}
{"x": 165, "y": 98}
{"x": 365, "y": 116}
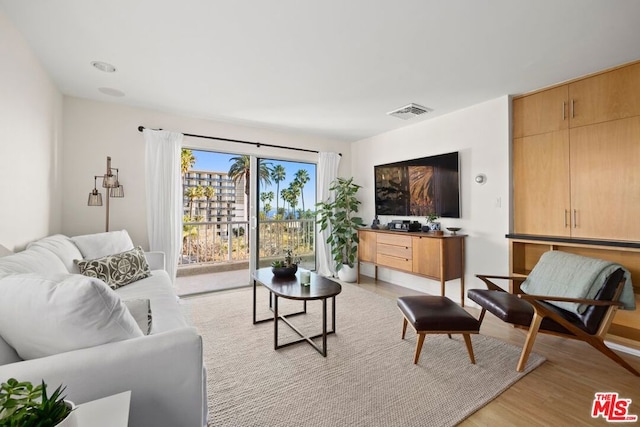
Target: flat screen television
{"x": 419, "y": 187}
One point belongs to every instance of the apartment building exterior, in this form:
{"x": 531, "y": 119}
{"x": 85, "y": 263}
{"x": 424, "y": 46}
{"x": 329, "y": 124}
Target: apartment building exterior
{"x": 227, "y": 203}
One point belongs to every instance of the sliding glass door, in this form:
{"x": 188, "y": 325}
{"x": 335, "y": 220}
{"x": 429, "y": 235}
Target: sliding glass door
{"x": 285, "y": 212}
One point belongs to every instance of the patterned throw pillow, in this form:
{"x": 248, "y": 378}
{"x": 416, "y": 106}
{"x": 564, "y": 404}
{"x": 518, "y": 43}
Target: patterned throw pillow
{"x": 117, "y": 270}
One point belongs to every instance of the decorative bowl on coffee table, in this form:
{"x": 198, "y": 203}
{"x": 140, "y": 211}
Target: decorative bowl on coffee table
{"x": 285, "y": 271}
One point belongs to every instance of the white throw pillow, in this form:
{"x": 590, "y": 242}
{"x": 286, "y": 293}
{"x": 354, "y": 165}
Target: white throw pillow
{"x": 4, "y": 251}
{"x": 7, "y": 353}
{"x": 62, "y": 247}
{"x": 98, "y": 245}
{"x": 33, "y": 260}
{"x": 41, "y": 316}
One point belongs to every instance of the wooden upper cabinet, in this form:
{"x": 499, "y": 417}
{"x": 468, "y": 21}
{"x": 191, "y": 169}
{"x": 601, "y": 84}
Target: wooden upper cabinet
{"x": 367, "y": 246}
{"x": 541, "y": 186}
{"x": 541, "y": 112}
{"x": 608, "y": 96}
{"x": 605, "y": 180}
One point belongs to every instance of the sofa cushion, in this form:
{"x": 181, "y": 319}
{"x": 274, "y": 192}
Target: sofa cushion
{"x": 41, "y": 316}
{"x": 98, "y": 245}
{"x": 117, "y": 270}
{"x": 140, "y": 309}
{"x": 32, "y": 260}
{"x": 165, "y": 307}
{"x": 61, "y": 246}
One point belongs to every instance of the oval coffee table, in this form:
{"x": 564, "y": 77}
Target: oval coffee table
{"x": 320, "y": 288}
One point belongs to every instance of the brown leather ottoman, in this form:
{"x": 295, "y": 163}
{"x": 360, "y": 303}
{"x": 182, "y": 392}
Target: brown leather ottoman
{"x": 437, "y": 315}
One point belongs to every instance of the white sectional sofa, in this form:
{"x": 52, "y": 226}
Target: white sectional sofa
{"x": 66, "y": 328}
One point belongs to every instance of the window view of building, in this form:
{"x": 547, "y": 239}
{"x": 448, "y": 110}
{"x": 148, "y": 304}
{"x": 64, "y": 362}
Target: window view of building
{"x": 215, "y": 208}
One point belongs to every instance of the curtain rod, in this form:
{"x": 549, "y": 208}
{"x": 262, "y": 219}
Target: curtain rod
{"x": 257, "y": 144}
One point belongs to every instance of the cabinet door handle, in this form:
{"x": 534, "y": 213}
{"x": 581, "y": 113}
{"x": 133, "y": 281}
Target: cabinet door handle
{"x": 565, "y": 218}
{"x": 575, "y": 220}
{"x": 573, "y": 109}
{"x": 564, "y": 108}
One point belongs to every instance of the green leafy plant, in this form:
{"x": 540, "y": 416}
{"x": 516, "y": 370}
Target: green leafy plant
{"x": 24, "y": 405}
{"x": 289, "y": 260}
{"x": 432, "y": 217}
{"x": 339, "y": 215}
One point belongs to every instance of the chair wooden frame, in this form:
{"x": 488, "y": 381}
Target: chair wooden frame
{"x": 540, "y": 312}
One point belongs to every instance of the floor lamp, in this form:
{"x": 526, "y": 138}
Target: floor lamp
{"x": 111, "y": 183}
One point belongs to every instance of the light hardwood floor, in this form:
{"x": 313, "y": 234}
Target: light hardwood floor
{"x": 558, "y": 393}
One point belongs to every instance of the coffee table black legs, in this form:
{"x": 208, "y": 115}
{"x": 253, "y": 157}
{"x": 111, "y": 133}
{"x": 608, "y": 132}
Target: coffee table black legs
{"x": 271, "y": 295}
{"x": 319, "y": 288}
{"x": 322, "y": 350}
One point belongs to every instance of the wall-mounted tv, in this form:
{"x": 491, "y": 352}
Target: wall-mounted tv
{"x": 419, "y": 187}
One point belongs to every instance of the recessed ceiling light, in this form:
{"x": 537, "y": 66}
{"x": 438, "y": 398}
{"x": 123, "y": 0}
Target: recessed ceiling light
{"x": 103, "y": 66}
{"x": 111, "y": 92}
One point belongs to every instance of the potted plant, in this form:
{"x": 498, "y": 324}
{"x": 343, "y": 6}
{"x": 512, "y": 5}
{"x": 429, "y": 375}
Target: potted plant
{"x": 339, "y": 216}
{"x": 285, "y": 268}
{"x": 23, "y": 405}
{"x": 432, "y": 222}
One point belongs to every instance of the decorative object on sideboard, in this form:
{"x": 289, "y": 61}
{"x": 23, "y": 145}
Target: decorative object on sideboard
{"x": 376, "y": 223}
{"x": 432, "y": 222}
{"x": 453, "y": 230}
{"x": 112, "y": 183}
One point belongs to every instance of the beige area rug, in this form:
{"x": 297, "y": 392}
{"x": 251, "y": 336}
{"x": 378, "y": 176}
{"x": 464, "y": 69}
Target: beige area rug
{"x": 367, "y": 379}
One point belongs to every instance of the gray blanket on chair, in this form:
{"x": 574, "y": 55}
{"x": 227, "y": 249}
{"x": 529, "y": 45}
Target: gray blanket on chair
{"x": 563, "y": 274}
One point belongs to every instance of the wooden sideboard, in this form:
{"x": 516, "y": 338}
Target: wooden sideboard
{"x": 437, "y": 257}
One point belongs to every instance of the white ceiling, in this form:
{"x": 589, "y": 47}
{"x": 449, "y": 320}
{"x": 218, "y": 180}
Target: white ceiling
{"x": 323, "y": 67}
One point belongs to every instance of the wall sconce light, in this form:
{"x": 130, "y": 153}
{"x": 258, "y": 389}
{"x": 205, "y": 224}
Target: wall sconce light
{"x": 481, "y": 179}
{"x": 109, "y": 181}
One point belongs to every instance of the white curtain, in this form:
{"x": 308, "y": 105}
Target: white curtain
{"x": 164, "y": 194}
{"x": 327, "y": 171}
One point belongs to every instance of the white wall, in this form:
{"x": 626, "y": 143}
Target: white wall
{"x": 30, "y": 131}
{"x": 94, "y": 130}
{"x": 481, "y": 135}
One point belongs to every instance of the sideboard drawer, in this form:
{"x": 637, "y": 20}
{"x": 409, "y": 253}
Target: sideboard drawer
{"x": 394, "y": 262}
{"x": 396, "y": 251}
{"x": 394, "y": 239}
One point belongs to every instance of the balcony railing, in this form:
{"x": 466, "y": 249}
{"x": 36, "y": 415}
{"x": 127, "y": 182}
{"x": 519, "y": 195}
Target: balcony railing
{"x": 228, "y": 241}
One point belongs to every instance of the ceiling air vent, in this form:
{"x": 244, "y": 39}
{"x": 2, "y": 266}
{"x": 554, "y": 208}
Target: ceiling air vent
{"x": 409, "y": 111}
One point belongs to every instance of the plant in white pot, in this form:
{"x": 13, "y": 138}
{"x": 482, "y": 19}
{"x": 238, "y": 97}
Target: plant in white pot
{"x": 339, "y": 216}
{"x": 25, "y": 405}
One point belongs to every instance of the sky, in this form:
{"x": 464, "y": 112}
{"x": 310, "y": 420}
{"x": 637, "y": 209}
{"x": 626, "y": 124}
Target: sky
{"x": 220, "y": 162}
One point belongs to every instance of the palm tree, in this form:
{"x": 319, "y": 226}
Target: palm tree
{"x": 294, "y": 191}
{"x": 192, "y": 193}
{"x": 278, "y": 174}
{"x": 302, "y": 177}
{"x": 209, "y": 192}
{"x": 285, "y": 193}
{"x": 265, "y": 198}
{"x": 241, "y": 169}
{"x": 187, "y": 160}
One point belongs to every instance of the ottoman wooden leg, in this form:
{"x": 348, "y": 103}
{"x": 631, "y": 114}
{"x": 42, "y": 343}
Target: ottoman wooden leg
{"x": 404, "y": 326}
{"x": 418, "y": 348}
{"x": 467, "y": 341}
